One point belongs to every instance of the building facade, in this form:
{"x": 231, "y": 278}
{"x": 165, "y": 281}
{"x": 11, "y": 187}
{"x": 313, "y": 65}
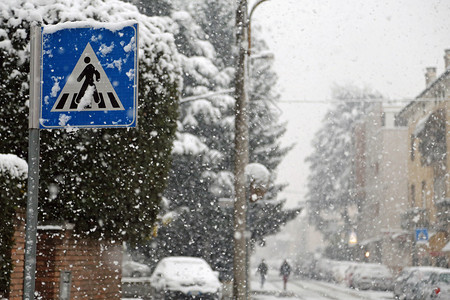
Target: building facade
{"x": 382, "y": 186}
{"x": 427, "y": 119}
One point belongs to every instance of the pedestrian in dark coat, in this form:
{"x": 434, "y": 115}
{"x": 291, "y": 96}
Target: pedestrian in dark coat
{"x": 285, "y": 271}
{"x": 262, "y": 270}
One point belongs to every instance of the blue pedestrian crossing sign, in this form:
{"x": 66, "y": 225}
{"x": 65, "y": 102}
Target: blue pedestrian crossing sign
{"x": 89, "y": 75}
{"x": 422, "y": 235}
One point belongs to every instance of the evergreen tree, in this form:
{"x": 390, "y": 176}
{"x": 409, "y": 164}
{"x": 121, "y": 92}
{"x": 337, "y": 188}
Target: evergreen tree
{"x": 201, "y": 156}
{"x": 216, "y": 18}
{"x": 154, "y": 7}
{"x": 202, "y": 171}
{"x": 332, "y": 183}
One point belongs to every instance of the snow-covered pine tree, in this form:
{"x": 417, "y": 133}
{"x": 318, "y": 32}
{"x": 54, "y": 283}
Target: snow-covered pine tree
{"x": 331, "y": 183}
{"x": 265, "y": 129}
{"x": 199, "y": 173}
{"x": 154, "y": 7}
{"x": 202, "y": 174}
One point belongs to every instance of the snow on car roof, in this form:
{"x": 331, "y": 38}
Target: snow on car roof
{"x": 183, "y": 267}
{"x": 186, "y": 259}
{"x": 186, "y": 270}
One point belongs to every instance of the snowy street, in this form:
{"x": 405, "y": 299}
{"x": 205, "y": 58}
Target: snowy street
{"x": 307, "y": 289}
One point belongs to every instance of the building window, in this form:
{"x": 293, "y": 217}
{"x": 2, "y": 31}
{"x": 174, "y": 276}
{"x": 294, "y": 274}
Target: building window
{"x": 413, "y": 195}
{"x": 439, "y": 188}
{"x": 413, "y": 147}
{"x": 397, "y": 122}
{"x": 377, "y": 209}
{"x": 424, "y": 194}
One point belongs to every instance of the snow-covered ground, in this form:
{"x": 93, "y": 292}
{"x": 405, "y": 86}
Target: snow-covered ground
{"x": 306, "y": 289}
{"x": 310, "y": 290}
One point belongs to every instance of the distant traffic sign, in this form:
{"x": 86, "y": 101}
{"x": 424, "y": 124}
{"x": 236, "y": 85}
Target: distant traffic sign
{"x": 422, "y": 235}
{"x": 89, "y": 75}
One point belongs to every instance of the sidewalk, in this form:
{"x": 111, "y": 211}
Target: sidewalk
{"x": 269, "y": 289}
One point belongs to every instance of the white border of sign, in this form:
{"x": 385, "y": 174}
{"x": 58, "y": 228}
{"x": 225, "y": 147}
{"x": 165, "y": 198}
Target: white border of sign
{"x": 38, "y": 65}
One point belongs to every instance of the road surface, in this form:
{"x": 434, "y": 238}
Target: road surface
{"x": 310, "y": 290}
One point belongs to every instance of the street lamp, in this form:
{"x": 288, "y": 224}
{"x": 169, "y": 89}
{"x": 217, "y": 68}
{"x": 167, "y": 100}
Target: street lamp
{"x": 249, "y": 27}
{"x": 243, "y": 42}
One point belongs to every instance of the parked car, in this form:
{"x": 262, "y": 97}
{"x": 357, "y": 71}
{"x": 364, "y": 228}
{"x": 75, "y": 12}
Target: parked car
{"x": 353, "y": 269}
{"x": 339, "y": 270}
{"x": 180, "y": 277}
{"x": 413, "y": 286}
{"x": 374, "y": 277}
{"x": 323, "y": 269}
{"x": 349, "y": 275}
{"x": 438, "y": 285}
{"x": 134, "y": 269}
{"x": 400, "y": 282}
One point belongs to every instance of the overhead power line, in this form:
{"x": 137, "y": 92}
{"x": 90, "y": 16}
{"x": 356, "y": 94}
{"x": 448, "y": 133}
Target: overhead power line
{"x": 320, "y": 101}
{"x": 358, "y": 100}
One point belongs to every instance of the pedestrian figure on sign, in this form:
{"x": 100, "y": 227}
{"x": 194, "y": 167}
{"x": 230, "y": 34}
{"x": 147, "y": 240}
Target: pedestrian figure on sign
{"x": 88, "y": 75}
{"x": 262, "y": 270}
{"x": 285, "y": 271}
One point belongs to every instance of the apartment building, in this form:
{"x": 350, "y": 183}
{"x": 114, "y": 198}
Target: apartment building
{"x": 382, "y": 184}
{"x": 427, "y": 120}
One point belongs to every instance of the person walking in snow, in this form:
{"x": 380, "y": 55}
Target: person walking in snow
{"x": 262, "y": 270}
{"x": 285, "y": 271}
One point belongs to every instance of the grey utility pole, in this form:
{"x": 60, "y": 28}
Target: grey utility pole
{"x": 33, "y": 170}
{"x": 243, "y": 43}
{"x": 241, "y": 154}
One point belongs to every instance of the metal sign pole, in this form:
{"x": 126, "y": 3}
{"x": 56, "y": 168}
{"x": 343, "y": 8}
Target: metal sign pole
{"x": 31, "y": 215}
{"x": 33, "y": 169}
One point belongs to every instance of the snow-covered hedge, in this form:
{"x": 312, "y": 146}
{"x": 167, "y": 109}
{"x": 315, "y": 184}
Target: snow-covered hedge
{"x": 13, "y": 174}
{"x": 13, "y": 165}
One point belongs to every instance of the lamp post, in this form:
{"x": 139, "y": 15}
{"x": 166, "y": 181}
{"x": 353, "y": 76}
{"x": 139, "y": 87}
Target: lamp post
{"x": 240, "y": 155}
{"x": 243, "y": 43}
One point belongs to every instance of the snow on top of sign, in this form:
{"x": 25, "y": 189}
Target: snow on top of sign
{"x": 13, "y": 165}
{"x": 48, "y": 29}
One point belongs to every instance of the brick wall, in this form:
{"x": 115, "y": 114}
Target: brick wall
{"x": 95, "y": 266}
{"x": 18, "y": 257}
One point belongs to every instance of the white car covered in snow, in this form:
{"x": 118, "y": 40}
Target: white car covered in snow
{"x": 374, "y": 277}
{"x": 181, "y": 277}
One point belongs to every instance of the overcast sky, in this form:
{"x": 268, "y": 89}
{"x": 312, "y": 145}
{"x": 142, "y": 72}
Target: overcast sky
{"x": 385, "y": 45}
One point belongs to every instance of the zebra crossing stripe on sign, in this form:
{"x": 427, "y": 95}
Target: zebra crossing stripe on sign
{"x": 88, "y": 87}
